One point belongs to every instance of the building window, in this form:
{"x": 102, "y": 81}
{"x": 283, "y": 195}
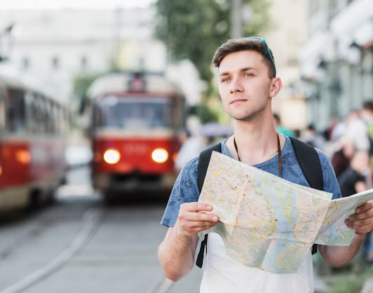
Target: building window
{"x": 83, "y": 62}
{"x": 16, "y": 111}
{"x": 55, "y": 63}
{"x": 26, "y": 63}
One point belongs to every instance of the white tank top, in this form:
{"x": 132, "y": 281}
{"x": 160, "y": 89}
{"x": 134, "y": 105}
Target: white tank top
{"x": 223, "y": 274}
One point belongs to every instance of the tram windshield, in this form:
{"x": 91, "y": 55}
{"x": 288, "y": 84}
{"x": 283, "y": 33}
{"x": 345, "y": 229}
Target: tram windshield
{"x": 133, "y": 113}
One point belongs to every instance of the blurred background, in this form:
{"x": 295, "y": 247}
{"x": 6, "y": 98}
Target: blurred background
{"x": 103, "y": 102}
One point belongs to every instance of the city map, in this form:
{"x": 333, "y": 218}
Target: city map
{"x": 270, "y": 223}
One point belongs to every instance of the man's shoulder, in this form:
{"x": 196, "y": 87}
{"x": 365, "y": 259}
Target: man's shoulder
{"x": 323, "y": 157}
{"x": 191, "y": 165}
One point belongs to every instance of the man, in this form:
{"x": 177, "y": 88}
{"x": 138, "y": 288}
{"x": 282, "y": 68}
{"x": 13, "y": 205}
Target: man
{"x": 247, "y": 84}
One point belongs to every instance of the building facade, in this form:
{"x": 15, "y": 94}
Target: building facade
{"x": 337, "y": 58}
{"x": 56, "y": 46}
{"x": 285, "y": 40}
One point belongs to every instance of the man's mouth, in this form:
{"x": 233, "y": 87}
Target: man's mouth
{"x": 238, "y": 101}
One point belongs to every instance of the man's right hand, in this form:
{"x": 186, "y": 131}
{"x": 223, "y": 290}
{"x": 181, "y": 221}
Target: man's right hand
{"x": 193, "y": 218}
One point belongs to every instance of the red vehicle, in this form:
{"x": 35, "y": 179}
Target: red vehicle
{"x": 33, "y": 129}
{"x": 136, "y": 124}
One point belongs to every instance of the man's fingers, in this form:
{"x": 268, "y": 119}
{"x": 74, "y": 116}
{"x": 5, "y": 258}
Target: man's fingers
{"x": 196, "y": 207}
{"x": 200, "y": 229}
{"x": 364, "y": 207}
{"x": 201, "y": 224}
{"x": 359, "y": 223}
{"x": 199, "y": 217}
{"x": 361, "y": 216}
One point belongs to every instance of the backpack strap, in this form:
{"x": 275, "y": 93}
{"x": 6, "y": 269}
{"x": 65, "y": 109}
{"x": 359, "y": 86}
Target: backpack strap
{"x": 309, "y": 162}
{"x": 203, "y": 163}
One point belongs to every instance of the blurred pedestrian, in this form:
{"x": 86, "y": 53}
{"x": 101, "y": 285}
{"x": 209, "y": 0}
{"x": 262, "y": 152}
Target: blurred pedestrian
{"x": 280, "y": 128}
{"x": 342, "y": 158}
{"x": 192, "y": 145}
{"x": 353, "y": 180}
{"x": 356, "y": 131}
{"x": 366, "y": 115}
{"x": 313, "y": 138}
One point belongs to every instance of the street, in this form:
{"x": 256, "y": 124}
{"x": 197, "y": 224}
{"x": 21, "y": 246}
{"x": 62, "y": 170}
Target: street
{"x": 79, "y": 244}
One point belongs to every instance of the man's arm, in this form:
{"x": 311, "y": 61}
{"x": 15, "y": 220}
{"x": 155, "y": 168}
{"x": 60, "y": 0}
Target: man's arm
{"x": 362, "y": 221}
{"x": 338, "y": 256}
{"x": 176, "y": 252}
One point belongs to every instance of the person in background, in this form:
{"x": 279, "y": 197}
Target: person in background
{"x": 314, "y": 139}
{"x": 328, "y": 132}
{"x": 356, "y": 131}
{"x": 341, "y": 159}
{"x": 192, "y": 146}
{"x": 353, "y": 180}
{"x": 281, "y": 129}
{"x": 366, "y": 115}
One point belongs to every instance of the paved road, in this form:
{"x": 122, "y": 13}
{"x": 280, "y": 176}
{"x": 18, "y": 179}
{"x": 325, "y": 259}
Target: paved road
{"x": 81, "y": 245}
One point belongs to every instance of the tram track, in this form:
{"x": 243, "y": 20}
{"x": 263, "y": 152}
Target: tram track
{"x": 90, "y": 223}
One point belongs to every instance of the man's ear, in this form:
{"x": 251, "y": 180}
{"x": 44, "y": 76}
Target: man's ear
{"x": 276, "y": 86}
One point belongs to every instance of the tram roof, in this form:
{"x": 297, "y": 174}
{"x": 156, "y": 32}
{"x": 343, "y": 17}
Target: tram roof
{"x": 12, "y": 78}
{"x": 120, "y": 83}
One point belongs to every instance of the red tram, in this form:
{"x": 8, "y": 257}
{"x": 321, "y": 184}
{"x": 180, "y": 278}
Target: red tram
{"x": 33, "y": 129}
{"x": 137, "y": 119}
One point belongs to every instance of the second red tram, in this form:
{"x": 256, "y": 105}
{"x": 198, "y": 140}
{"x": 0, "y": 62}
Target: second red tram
{"x": 136, "y": 124}
{"x": 33, "y": 133}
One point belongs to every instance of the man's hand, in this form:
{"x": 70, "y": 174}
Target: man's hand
{"x": 362, "y": 220}
{"x": 194, "y": 219}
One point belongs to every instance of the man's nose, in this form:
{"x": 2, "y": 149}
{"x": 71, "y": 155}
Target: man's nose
{"x": 236, "y": 86}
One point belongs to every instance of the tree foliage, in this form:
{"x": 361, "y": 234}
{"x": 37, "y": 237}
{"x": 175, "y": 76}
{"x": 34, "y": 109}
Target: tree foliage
{"x": 194, "y": 29}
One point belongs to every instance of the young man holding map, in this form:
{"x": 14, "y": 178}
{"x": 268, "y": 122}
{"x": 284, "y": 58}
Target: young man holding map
{"x": 247, "y": 84}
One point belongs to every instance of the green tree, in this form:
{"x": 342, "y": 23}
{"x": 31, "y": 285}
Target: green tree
{"x": 194, "y": 29}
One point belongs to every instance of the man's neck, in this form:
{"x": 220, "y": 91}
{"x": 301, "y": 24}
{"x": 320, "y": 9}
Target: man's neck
{"x": 256, "y": 141}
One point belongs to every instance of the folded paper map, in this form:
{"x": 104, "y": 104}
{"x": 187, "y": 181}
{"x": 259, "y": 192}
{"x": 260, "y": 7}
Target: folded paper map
{"x": 270, "y": 223}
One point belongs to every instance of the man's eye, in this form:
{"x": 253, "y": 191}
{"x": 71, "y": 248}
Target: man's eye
{"x": 248, "y": 74}
{"x": 225, "y": 79}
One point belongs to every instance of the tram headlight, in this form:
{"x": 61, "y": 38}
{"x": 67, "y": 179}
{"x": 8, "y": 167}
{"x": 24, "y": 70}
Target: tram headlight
{"x": 112, "y": 157}
{"x": 160, "y": 155}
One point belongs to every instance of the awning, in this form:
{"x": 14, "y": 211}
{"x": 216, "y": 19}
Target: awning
{"x": 352, "y": 17}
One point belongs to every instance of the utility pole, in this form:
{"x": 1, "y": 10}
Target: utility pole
{"x": 236, "y": 19}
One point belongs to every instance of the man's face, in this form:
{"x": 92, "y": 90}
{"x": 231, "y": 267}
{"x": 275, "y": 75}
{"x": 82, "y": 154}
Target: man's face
{"x": 244, "y": 85}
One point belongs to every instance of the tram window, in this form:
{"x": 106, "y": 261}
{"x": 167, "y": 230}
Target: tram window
{"x": 2, "y": 111}
{"x": 16, "y": 111}
{"x": 30, "y": 112}
{"x": 133, "y": 114}
{"x": 26, "y": 63}
{"x": 41, "y": 114}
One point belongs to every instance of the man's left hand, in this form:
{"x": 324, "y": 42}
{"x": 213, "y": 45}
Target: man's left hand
{"x": 362, "y": 220}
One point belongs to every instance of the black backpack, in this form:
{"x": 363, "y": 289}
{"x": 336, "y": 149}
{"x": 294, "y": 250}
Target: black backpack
{"x": 308, "y": 160}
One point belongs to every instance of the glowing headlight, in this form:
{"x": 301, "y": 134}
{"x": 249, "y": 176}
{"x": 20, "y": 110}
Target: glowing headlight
{"x": 160, "y": 155}
{"x": 112, "y": 156}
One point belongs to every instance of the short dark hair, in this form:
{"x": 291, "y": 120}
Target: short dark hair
{"x": 245, "y": 44}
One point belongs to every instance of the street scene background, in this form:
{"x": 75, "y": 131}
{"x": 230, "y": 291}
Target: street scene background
{"x": 102, "y": 103}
